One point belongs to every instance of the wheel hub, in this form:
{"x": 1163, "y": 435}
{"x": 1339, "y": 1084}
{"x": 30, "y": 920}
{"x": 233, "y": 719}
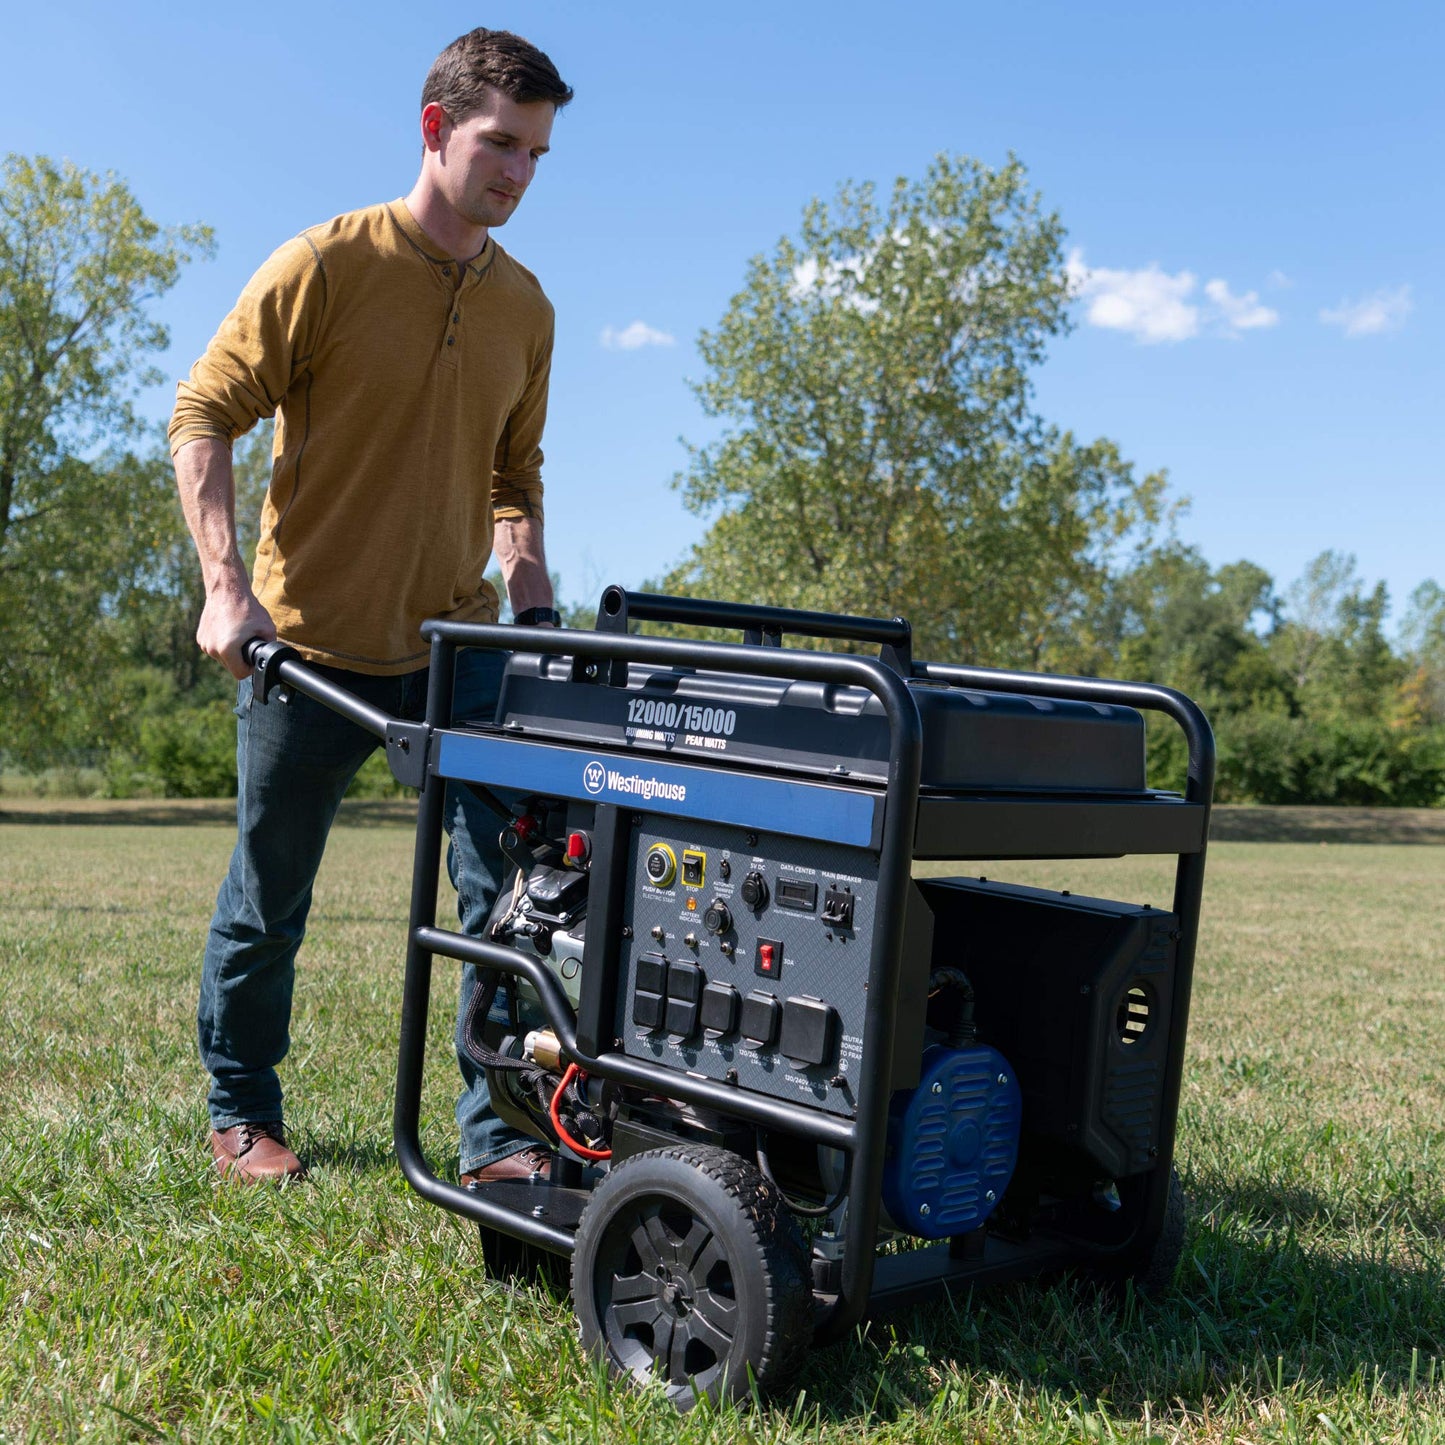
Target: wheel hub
{"x": 675, "y": 1292}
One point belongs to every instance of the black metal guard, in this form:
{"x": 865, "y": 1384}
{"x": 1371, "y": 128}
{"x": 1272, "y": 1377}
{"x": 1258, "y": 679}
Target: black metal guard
{"x": 1188, "y": 873}
{"x": 863, "y": 1136}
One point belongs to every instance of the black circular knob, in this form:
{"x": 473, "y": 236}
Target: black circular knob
{"x": 718, "y": 918}
{"x": 755, "y": 891}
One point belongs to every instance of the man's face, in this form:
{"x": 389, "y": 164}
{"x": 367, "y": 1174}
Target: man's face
{"x": 485, "y": 162}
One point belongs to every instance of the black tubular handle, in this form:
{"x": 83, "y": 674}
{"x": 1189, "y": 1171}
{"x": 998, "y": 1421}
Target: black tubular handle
{"x": 760, "y": 625}
{"x": 273, "y": 663}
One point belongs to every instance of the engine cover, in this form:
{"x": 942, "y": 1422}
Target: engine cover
{"x": 952, "y": 1142}
{"x": 546, "y": 916}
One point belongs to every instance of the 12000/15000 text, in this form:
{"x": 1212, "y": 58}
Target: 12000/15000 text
{"x": 653, "y": 713}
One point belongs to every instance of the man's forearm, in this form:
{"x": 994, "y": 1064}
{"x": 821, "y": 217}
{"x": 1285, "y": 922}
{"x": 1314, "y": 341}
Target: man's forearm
{"x": 518, "y": 547}
{"x": 207, "y": 486}
{"x": 232, "y": 615}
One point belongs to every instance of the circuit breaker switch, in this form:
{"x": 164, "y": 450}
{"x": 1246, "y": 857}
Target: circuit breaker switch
{"x": 838, "y": 906}
{"x": 768, "y": 960}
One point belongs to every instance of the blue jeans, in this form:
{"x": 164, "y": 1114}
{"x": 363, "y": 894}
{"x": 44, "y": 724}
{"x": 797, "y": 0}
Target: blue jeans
{"x": 294, "y": 762}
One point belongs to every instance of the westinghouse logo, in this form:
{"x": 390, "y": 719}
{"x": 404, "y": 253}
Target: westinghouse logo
{"x": 595, "y": 777}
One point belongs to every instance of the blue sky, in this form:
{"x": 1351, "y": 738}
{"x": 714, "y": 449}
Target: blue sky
{"x": 1253, "y": 196}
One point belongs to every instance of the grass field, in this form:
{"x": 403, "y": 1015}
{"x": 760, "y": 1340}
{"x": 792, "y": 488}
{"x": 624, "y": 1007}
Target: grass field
{"x": 139, "y": 1299}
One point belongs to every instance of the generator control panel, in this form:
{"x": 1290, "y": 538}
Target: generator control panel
{"x": 746, "y": 958}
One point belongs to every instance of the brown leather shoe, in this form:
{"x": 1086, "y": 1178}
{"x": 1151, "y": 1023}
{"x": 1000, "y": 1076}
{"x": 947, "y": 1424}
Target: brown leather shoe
{"x": 533, "y": 1163}
{"x": 255, "y": 1153}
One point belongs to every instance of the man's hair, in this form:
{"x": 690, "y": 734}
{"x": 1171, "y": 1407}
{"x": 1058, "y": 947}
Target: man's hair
{"x": 481, "y": 59}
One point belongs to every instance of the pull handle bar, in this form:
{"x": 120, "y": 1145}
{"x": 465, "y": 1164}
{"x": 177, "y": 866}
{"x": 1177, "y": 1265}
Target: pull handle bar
{"x": 761, "y": 626}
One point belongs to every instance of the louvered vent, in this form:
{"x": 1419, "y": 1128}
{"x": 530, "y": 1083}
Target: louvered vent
{"x": 1134, "y": 1014}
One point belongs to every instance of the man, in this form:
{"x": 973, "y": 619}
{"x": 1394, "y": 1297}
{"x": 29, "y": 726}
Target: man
{"x": 406, "y": 358}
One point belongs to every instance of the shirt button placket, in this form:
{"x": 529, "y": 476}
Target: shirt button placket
{"x": 456, "y": 315}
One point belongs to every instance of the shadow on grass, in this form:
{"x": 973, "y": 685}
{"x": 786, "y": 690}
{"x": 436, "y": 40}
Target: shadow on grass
{"x": 1265, "y": 1204}
{"x": 1247, "y": 1317}
{"x": 1327, "y": 825}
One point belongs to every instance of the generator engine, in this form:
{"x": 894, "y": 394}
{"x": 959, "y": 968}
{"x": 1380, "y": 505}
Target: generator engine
{"x": 721, "y": 991}
{"x": 953, "y": 1137}
{"x": 542, "y": 911}
{"x": 546, "y": 914}
{"x": 734, "y": 945}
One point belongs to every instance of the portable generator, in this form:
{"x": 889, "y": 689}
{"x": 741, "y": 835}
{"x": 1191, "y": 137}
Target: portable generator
{"x": 785, "y": 1083}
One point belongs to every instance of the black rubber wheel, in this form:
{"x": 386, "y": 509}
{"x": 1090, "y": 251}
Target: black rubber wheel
{"x": 508, "y": 1258}
{"x": 688, "y": 1269}
{"x": 1150, "y": 1272}
{"x": 1154, "y": 1275}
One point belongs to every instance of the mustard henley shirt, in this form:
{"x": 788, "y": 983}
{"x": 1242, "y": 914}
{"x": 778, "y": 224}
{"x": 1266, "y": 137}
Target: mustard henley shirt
{"x": 410, "y": 402}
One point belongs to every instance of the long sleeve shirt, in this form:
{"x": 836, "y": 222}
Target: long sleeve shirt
{"x": 410, "y": 393}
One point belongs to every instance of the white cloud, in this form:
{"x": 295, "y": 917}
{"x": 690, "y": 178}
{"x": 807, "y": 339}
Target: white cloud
{"x": 634, "y": 337}
{"x": 1151, "y": 305}
{"x": 1378, "y": 312}
{"x": 1239, "y": 313}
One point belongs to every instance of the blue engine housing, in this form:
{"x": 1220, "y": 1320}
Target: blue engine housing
{"x": 952, "y": 1142}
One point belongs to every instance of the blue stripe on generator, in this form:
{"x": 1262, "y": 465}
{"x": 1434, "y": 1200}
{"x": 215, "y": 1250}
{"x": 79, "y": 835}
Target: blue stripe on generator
{"x": 802, "y": 810}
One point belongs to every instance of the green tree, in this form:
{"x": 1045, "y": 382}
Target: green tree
{"x": 1423, "y": 634}
{"x": 882, "y": 452}
{"x": 80, "y": 265}
{"x": 1174, "y": 618}
{"x": 1332, "y": 642}
{"x": 168, "y": 724}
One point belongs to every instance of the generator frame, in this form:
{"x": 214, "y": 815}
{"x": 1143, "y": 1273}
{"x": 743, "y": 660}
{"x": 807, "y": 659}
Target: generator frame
{"x": 992, "y": 825}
